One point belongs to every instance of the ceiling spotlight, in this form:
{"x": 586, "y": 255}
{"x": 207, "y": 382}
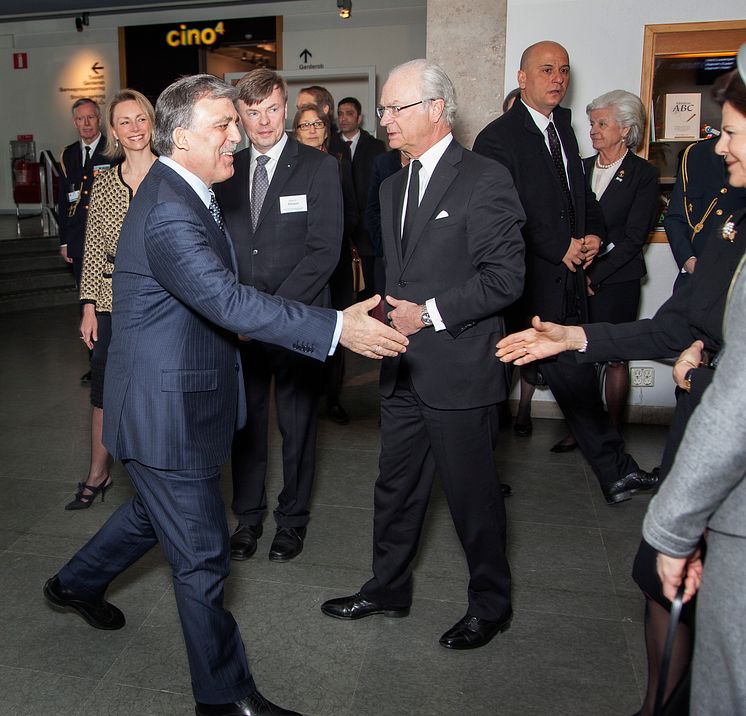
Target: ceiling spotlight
{"x": 82, "y": 21}
{"x": 345, "y": 8}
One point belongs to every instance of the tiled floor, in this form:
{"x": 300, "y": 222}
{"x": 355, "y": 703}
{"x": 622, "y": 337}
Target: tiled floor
{"x": 575, "y": 645}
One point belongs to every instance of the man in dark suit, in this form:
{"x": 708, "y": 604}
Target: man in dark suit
{"x": 283, "y": 210}
{"x": 454, "y": 260}
{"x": 80, "y": 161}
{"x": 364, "y": 149}
{"x": 173, "y": 396}
{"x": 563, "y": 231}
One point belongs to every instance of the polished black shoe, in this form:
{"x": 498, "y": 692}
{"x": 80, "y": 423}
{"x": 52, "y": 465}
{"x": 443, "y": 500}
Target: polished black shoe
{"x": 357, "y": 607}
{"x": 523, "y": 430}
{"x": 637, "y": 481}
{"x": 338, "y": 414}
{"x": 254, "y": 705}
{"x": 243, "y": 541}
{"x": 86, "y": 377}
{"x": 472, "y": 632}
{"x": 287, "y": 544}
{"x": 98, "y": 613}
{"x": 562, "y": 446}
{"x": 506, "y": 489}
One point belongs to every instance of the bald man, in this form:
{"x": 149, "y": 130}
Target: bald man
{"x": 563, "y": 234}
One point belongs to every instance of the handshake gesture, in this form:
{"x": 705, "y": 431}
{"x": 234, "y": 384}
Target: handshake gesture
{"x": 542, "y": 340}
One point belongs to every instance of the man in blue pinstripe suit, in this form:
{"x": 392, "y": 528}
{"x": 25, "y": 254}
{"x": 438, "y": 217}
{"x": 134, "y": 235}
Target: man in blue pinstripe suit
{"x": 173, "y": 397}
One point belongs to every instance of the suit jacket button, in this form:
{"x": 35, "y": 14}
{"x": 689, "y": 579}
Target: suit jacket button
{"x": 236, "y": 366}
{"x": 255, "y": 252}
{"x": 402, "y": 284}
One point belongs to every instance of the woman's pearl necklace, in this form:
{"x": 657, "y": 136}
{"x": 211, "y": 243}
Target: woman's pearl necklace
{"x": 608, "y": 166}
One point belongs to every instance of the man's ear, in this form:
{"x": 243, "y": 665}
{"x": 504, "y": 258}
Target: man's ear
{"x": 180, "y": 137}
{"x": 437, "y": 109}
{"x": 521, "y": 79}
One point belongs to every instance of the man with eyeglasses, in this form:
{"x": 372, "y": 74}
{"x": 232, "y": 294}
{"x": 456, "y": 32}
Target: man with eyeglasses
{"x": 453, "y": 250}
{"x": 283, "y": 210}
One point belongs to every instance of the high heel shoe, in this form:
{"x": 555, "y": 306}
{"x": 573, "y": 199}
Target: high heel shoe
{"x": 86, "y": 494}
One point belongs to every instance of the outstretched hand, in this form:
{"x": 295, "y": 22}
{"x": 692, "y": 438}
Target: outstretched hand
{"x": 366, "y": 335}
{"x": 542, "y": 340}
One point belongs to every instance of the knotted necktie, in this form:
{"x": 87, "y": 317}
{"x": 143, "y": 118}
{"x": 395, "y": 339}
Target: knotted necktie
{"x": 216, "y": 213}
{"x": 413, "y": 202}
{"x": 259, "y": 188}
{"x": 87, "y": 162}
{"x": 555, "y": 149}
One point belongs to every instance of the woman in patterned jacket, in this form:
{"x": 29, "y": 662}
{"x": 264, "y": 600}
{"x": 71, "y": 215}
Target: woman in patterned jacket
{"x": 130, "y": 122}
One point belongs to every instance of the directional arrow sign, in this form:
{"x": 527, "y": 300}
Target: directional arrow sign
{"x": 96, "y": 67}
{"x": 305, "y": 55}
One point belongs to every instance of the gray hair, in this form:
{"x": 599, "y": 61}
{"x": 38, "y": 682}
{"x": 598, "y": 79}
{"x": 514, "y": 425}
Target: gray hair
{"x": 86, "y": 100}
{"x": 175, "y": 106}
{"x": 434, "y": 84}
{"x": 628, "y": 112}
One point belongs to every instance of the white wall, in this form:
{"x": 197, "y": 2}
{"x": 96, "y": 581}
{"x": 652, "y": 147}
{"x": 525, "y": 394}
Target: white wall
{"x": 381, "y": 33}
{"x": 604, "y": 40}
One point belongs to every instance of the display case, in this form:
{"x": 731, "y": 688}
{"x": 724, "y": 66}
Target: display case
{"x": 679, "y": 66}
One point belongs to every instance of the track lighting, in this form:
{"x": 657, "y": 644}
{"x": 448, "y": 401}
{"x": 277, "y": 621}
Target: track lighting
{"x": 82, "y": 21}
{"x": 345, "y": 8}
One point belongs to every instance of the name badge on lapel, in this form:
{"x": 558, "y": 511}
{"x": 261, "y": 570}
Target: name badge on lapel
{"x": 292, "y": 204}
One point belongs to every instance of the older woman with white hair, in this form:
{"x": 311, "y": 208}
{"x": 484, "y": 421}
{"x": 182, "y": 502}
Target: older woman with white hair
{"x": 626, "y": 187}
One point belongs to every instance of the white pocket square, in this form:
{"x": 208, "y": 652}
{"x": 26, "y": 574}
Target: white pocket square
{"x": 443, "y": 215}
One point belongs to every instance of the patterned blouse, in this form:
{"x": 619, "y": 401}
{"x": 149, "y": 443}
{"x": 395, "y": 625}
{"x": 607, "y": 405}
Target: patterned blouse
{"x": 110, "y": 199}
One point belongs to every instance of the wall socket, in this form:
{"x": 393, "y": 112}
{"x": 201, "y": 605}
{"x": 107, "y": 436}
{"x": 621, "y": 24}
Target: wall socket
{"x": 642, "y": 377}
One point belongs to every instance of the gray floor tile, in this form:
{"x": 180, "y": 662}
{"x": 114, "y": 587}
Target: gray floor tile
{"x": 27, "y": 691}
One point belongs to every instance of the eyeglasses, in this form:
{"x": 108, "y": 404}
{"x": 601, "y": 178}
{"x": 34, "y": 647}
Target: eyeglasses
{"x": 306, "y": 126}
{"x": 394, "y": 109}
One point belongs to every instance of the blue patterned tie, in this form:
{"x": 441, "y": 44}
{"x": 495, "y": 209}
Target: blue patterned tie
{"x": 216, "y": 213}
{"x": 259, "y": 188}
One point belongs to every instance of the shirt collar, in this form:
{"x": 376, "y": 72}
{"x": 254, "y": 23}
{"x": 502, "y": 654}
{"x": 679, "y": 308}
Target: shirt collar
{"x": 540, "y": 120}
{"x": 273, "y": 152}
{"x": 92, "y": 145}
{"x": 431, "y": 157}
{"x": 200, "y": 188}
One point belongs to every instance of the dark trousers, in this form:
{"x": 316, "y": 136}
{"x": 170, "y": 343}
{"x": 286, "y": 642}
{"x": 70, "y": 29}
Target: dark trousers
{"x": 575, "y": 388}
{"x": 417, "y": 441}
{"x": 298, "y": 382}
{"x": 182, "y": 510}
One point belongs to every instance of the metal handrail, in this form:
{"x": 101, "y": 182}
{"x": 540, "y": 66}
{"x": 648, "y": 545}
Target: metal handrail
{"x": 49, "y": 168}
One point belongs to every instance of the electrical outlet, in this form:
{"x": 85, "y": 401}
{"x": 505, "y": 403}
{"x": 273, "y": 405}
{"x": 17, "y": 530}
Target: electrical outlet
{"x": 642, "y": 377}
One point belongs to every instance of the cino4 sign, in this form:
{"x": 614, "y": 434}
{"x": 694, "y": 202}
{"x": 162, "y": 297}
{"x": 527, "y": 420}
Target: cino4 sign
{"x": 188, "y": 36}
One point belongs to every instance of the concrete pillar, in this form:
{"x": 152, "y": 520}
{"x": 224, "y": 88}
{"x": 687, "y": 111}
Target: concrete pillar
{"x": 467, "y": 39}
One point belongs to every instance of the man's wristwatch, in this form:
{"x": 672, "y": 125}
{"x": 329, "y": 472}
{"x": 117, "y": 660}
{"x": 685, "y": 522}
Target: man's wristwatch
{"x": 425, "y": 316}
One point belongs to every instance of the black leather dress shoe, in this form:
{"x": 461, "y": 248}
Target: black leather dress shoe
{"x": 357, "y": 607}
{"x": 523, "y": 430}
{"x": 472, "y": 632}
{"x": 338, "y": 414}
{"x": 254, "y": 705}
{"x": 562, "y": 446}
{"x": 98, "y": 613}
{"x": 637, "y": 481}
{"x": 506, "y": 489}
{"x": 243, "y": 541}
{"x": 287, "y": 544}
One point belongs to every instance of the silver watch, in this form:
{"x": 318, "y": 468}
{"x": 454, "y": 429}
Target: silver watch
{"x": 425, "y": 316}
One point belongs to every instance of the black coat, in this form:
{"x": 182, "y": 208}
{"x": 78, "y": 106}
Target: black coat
{"x": 629, "y": 206}
{"x": 515, "y": 141}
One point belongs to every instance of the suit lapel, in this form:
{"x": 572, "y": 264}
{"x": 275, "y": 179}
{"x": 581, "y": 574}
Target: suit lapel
{"x": 444, "y": 174}
{"x": 283, "y": 171}
{"x": 397, "y": 191}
